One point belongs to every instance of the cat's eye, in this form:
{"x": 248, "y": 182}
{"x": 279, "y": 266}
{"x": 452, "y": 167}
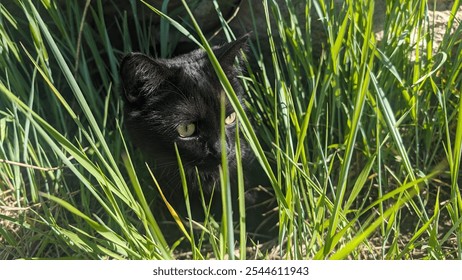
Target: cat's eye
{"x": 186, "y": 129}
{"x": 231, "y": 118}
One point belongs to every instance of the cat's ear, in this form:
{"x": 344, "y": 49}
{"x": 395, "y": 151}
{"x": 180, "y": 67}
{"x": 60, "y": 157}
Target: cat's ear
{"x": 227, "y": 53}
{"x": 140, "y": 75}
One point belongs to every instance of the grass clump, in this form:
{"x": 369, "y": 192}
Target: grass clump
{"x": 360, "y": 136}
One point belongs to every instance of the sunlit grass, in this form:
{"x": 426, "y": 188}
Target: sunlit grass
{"x": 360, "y": 141}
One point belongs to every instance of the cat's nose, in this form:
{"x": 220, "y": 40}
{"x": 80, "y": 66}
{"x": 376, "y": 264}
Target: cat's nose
{"x": 215, "y": 149}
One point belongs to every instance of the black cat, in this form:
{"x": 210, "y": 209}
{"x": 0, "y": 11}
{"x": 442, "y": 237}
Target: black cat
{"x": 178, "y": 101}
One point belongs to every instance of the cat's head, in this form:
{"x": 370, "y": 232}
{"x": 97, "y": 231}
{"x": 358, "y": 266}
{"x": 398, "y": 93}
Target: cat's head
{"x": 178, "y": 101}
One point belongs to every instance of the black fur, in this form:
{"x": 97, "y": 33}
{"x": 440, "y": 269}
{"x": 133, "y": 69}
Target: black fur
{"x": 161, "y": 94}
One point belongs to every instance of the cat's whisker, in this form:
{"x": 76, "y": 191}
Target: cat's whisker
{"x": 178, "y": 90}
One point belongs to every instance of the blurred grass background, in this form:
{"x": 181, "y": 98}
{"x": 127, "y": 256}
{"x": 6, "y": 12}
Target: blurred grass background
{"x": 363, "y": 131}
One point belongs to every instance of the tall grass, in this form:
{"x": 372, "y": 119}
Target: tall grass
{"x": 360, "y": 140}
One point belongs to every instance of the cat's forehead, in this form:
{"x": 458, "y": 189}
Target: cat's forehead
{"x": 203, "y": 99}
{"x": 194, "y": 74}
{"x": 197, "y": 58}
{"x": 194, "y": 78}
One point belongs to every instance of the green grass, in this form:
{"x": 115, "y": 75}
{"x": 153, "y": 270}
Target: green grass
{"x": 361, "y": 141}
